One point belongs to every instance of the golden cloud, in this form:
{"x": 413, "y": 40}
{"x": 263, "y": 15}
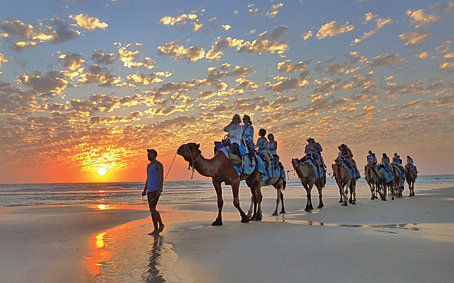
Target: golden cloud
{"x": 182, "y": 21}
{"x": 286, "y": 67}
{"x": 379, "y": 24}
{"x": 307, "y": 35}
{"x": 128, "y": 57}
{"x": 88, "y": 23}
{"x": 72, "y": 61}
{"x": 420, "y": 18}
{"x": 414, "y": 38}
{"x": 332, "y": 29}
{"x": 178, "y": 52}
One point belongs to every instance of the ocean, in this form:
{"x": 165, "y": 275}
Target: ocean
{"x": 129, "y": 193}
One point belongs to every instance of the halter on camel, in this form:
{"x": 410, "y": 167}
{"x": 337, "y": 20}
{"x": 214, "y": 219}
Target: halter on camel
{"x": 193, "y": 161}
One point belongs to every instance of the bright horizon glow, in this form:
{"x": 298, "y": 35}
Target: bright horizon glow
{"x": 102, "y": 171}
{"x": 87, "y": 86}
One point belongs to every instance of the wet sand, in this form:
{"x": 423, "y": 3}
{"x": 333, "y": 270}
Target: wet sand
{"x": 405, "y": 240}
{"x": 408, "y": 239}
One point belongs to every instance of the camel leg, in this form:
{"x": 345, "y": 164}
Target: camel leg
{"x": 249, "y": 213}
{"x": 320, "y": 201}
{"x": 282, "y": 202}
{"x": 236, "y": 202}
{"x": 345, "y": 193}
{"x": 308, "y": 188}
{"x": 217, "y": 187}
{"x": 278, "y": 190}
{"x": 340, "y": 192}
{"x": 353, "y": 193}
{"x": 258, "y": 191}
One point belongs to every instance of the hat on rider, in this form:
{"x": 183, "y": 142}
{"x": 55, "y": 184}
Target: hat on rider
{"x": 310, "y": 139}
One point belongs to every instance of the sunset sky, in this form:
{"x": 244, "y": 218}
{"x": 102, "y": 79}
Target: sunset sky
{"x": 87, "y": 86}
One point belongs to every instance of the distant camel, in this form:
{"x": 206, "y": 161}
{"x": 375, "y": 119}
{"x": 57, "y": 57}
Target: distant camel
{"x": 372, "y": 179}
{"x": 383, "y": 186}
{"x": 397, "y": 181}
{"x": 344, "y": 182}
{"x": 306, "y": 174}
{"x": 255, "y": 181}
{"x": 411, "y": 178}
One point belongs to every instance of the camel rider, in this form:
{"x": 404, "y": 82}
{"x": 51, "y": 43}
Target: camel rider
{"x": 396, "y": 159}
{"x": 314, "y": 150}
{"x": 371, "y": 158}
{"x": 248, "y": 137}
{"x": 347, "y": 154}
{"x": 385, "y": 161}
{"x": 234, "y": 132}
{"x": 410, "y": 162}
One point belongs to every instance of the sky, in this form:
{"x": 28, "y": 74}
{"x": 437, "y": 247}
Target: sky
{"x": 87, "y": 86}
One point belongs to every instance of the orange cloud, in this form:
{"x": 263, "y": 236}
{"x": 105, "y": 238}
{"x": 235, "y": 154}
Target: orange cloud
{"x": 88, "y": 23}
{"x": 332, "y": 29}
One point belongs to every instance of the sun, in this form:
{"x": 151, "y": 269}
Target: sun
{"x": 102, "y": 171}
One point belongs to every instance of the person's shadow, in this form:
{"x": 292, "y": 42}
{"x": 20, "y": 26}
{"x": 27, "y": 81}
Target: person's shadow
{"x": 153, "y": 273}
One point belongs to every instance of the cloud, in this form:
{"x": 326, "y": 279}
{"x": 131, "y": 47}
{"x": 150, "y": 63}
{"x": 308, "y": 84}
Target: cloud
{"x": 414, "y": 38}
{"x": 97, "y": 74}
{"x": 72, "y": 61}
{"x": 379, "y": 24}
{"x": 268, "y": 13}
{"x": 2, "y": 59}
{"x": 99, "y": 57}
{"x": 340, "y": 68}
{"x": 445, "y": 46}
{"x": 265, "y": 42}
{"x": 88, "y": 23}
{"x": 51, "y": 84}
{"x": 286, "y": 84}
{"x": 368, "y": 17}
{"x": 129, "y": 56}
{"x": 54, "y": 31}
{"x": 182, "y": 21}
{"x": 447, "y": 66}
{"x": 307, "y": 35}
{"x": 148, "y": 79}
{"x": 385, "y": 60}
{"x": 332, "y": 29}
{"x": 420, "y": 18}
{"x": 226, "y": 27}
{"x": 286, "y": 67}
{"x": 178, "y": 52}
{"x": 422, "y": 54}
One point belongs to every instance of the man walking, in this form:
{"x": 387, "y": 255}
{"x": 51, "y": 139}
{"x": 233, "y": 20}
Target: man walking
{"x": 153, "y": 189}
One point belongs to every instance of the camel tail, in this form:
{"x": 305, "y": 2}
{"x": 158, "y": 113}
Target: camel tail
{"x": 283, "y": 185}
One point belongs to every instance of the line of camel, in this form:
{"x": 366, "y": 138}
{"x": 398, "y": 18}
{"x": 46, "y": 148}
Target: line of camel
{"x": 220, "y": 170}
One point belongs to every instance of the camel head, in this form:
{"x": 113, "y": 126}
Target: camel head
{"x": 338, "y": 161}
{"x": 189, "y": 151}
{"x": 296, "y": 163}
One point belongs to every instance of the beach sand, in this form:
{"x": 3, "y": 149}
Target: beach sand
{"x": 408, "y": 239}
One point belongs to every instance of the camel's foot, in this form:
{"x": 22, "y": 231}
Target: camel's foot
{"x": 320, "y": 205}
{"x": 308, "y": 208}
{"x": 249, "y": 214}
{"x": 258, "y": 217}
{"x": 372, "y": 197}
{"x": 354, "y": 202}
{"x": 350, "y": 201}
{"x": 340, "y": 201}
{"x": 344, "y": 204}
{"x": 282, "y": 211}
{"x": 383, "y": 198}
{"x": 275, "y": 213}
{"x": 217, "y": 222}
{"x": 245, "y": 219}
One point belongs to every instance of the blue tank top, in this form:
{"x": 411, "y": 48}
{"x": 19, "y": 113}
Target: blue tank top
{"x": 152, "y": 177}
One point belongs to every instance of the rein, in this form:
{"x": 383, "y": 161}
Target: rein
{"x": 192, "y": 162}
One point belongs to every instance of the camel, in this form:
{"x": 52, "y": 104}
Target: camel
{"x": 411, "y": 178}
{"x": 255, "y": 181}
{"x": 382, "y": 185}
{"x": 220, "y": 169}
{"x": 396, "y": 187}
{"x": 372, "y": 179}
{"x": 344, "y": 182}
{"x": 306, "y": 174}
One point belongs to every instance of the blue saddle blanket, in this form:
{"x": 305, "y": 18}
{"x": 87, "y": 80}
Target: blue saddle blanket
{"x": 353, "y": 173}
{"x": 247, "y": 168}
{"x": 385, "y": 169}
{"x": 318, "y": 174}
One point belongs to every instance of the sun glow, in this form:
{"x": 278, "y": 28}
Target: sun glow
{"x": 102, "y": 171}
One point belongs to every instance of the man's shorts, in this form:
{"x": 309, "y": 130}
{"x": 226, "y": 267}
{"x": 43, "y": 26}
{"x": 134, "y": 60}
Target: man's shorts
{"x": 152, "y": 199}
